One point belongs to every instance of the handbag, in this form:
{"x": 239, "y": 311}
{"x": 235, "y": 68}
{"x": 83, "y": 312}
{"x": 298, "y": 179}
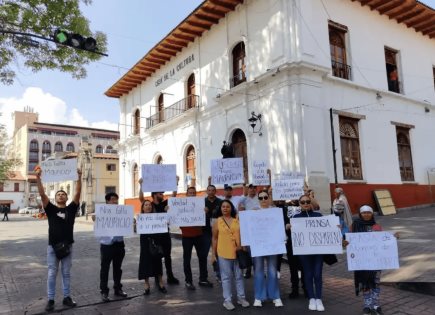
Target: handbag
{"x": 155, "y": 250}
{"x": 243, "y": 258}
{"x": 330, "y": 259}
{"x": 62, "y": 249}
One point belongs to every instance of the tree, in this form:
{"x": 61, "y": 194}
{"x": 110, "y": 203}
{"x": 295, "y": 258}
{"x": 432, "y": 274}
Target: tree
{"x": 43, "y": 17}
{"x": 7, "y": 163}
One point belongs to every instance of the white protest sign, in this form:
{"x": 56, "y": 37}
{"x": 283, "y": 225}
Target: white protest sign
{"x": 59, "y": 170}
{"x": 316, "y": 235}
{"x": 263, "y": 230}
{"x": 372, "y": 251}
{"x": 152, "y": 223}
{"x": 287, "y": 189}
{"x": 113, "y": 220}
{"x": 159, "y": 177}
{"x": 188, "y": 211}
{"x": 227, "y": 171}
{"x": 259, "y": 173}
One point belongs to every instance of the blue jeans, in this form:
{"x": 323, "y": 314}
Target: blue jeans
{"x": 229, "y": 269}
{"x": 268, "y": 289}
{"x": 53, "y": 265}
{"x": 312, "y": 266}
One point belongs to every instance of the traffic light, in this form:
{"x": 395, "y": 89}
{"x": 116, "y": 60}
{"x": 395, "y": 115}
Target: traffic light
{"x": 75, "y": 40}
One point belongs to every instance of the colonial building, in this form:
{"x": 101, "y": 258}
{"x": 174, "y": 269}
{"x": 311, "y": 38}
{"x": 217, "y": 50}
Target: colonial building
{"x": 342, "y": 90}
{"x": 12, "y": 191}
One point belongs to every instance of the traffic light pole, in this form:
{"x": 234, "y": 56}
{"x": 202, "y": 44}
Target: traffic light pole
{"x": 50, "y": 40}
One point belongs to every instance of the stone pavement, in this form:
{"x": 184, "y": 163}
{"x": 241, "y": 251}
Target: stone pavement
{"x": 23, "y": 272}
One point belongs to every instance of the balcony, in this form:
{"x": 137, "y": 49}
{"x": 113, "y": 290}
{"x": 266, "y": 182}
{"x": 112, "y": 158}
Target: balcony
{"x": 341, "y": 70}
{"x": 172, "y": 111}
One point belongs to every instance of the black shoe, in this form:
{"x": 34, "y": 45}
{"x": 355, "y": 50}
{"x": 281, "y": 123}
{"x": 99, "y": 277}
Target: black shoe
{"x": 247, "y": 274}
{"x": 120, "y": 293}
{"x": 189, "y": 286}
{"x": 50, "y": 306}
{"x": 367, "y": 310}
{"x": 146, "y": 291}
{"x": 305, "y": 293}
{"x": 163, "y": 289}
{"x": 205, "y": 283}
{"x": 294, "y": 294}
{"x": 378, "y": 311}
{"x": 105, "y": 297}
{"x": 68, "y": 301}
{"x": 173, "y": 280}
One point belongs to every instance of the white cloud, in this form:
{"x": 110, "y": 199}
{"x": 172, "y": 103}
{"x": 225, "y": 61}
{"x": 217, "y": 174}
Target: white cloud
{"x": 51, "y": 109}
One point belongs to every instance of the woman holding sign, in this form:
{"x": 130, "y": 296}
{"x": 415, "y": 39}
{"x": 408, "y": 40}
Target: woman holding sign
{"x": 150, "y": 261}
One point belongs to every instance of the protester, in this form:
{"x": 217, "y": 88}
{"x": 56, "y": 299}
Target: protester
{"x": 150, "y": 265}
{"x": 6, "y": 209}
{"x": 61, "y": 220}
{"x": 112, "y": 250}
{"x": 226, "y": 240}
{"x": 268, "y": 289}
{"x": 314, "y": 203}
{"x": 311, "y": 264}
{"x": 341, "y": 208}
{"x": 212, "y": 204}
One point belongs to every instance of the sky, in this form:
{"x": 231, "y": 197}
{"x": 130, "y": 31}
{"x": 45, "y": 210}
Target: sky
{"x": 132, "y": 27}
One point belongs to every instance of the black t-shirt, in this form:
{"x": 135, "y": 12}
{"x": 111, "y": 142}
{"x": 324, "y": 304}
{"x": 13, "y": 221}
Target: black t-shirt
{"x": 61, "y": 223}
{"x": 160, "y": 208}
{"x": 212, "y": 208}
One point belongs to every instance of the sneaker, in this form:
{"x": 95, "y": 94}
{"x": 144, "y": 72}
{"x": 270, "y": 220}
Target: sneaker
{"x": 278, "y": 303}
{"x": 68, "y": 301}
{"x": 319, "y": 305}
{"x": 243, "y": 302}
{"x": 189, "y": 286}
{"x": 173, "y": 280}
{"x": 120, "y": 293}
{"x": 105, "y": 297}
{"x": 278, "y": 274}
{"x": 312, "y": 305}
{"x": 50, "y": 306}
{"x": 205, "y": 283}
{"x": 294, "y": 294}
{"x": 229, "y": 305}
{"x": 257, "y": 303}
{"x": 367, "y": 310}
{"x": 378, "y": 310}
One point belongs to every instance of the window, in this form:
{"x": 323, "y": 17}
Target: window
{"x": 58, "y": 147}
{"x": 34, "y": 146}
{"x": 191, "y": 100}
{"x": 392, "y": 71}
{"x": 99, "y": 149}
{"x": 70, "y": 147}
{"x": 16, "y": 187}
{"x": 31, "y": 167}
{"x": 350, "y": 152}
{"x": 109, "y": 189}
{"x": 405, "y": 156}
{"x": 337, "y": 46}
{"x": 2, "y": 187}
{"x": 191, "y": 165}
{"x": 109, "y": 149}
{"x": 241, "y": 149}
{"x": 46, "y": 147}
{"x": 239, "y": 66}
{"x": 111, "y": 167}
{"x": 135, "y": 180}
{"x": 160, "y": 108}
{"x": 136, "y": 123}
{"x": 33, "y": 156}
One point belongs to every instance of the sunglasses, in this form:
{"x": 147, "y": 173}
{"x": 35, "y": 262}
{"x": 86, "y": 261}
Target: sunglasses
{"x": 263, "y": 198}
{"x": 305, "y": 202}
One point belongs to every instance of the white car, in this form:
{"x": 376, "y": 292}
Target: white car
{"x": 28, "y": 210}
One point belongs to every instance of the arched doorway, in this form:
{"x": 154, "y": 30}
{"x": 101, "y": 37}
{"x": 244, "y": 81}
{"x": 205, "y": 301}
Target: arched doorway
{"x": 240, "y": 147}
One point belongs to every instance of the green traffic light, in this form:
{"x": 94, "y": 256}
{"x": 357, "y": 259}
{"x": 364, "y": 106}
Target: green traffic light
{"x": 61, "y": 37}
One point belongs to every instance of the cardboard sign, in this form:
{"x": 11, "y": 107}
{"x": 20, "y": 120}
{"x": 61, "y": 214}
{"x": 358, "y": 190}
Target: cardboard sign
{"x": 316, "y": 235}
{"x": 159, "y": 177}
{"x": 259, "y": 173}
{"x": 287, "y": 189}
{"x": 263, "y": 230}
{"x": 59, "y": 170}
{"x": 113, "y": 220}
{"x": 152, "y": 223}
{"x": 227, "y": 171}
{"x": 372, "y": 251}
{"x": 188, "y": 211}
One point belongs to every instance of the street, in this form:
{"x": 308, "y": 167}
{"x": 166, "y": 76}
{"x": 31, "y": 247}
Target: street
{"x": 23, "y": 275}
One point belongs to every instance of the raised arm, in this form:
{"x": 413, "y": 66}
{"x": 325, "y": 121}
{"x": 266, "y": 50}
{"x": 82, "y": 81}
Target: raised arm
{"x": 76, "y": 198}
{"x": 141, "y": 198}
{"x": 174, "y": 193}
{"x": 41, "y": 190}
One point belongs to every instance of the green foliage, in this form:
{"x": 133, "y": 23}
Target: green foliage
{"x": 43, "y": 17}
{"x": 7, "y": 163}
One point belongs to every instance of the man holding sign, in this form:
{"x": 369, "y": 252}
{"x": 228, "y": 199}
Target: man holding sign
{"x": 61, "y": 220}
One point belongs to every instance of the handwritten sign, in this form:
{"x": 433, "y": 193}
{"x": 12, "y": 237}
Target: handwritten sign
{"x": 187, "y": 211}
{"x": 152, "y": 223}
{"x": 59, "y": 170}
{"x": 227, "y": 171}
{"x": 316, "y": 235}
{"x": 287, "y": 189}
{"x": 372, "y": 251}
{"x": 113, "y": 220}
{"x": 263, "y": 230}
{"x": 159, "y": 177}
{"x": 259, "y": 173}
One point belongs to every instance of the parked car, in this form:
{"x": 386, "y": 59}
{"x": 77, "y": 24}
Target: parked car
{"x": 28, "y": 210}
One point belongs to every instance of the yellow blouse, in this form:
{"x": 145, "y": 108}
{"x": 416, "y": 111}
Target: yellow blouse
{"x": 226, "y": 247}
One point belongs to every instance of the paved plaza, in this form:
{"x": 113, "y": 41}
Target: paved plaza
{"x": 23, "y": 275}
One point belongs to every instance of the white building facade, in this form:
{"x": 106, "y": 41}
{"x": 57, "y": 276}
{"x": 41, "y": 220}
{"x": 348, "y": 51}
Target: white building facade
{"x": 316, "y": 71}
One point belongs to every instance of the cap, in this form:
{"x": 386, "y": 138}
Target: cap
{"x": 365, "y": 208}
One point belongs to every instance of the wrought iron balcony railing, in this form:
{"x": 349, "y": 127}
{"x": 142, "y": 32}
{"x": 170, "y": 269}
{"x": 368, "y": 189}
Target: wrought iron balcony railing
{"x": 341, "y": 70}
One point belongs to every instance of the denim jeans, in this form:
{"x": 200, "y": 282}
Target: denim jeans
{"x": 201, "y": 247}
{"x": 269, "y": 288}
{"x": 312, "y": 266}
{"x": 53, "y": 265}
{"x": 229, "y": 269}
